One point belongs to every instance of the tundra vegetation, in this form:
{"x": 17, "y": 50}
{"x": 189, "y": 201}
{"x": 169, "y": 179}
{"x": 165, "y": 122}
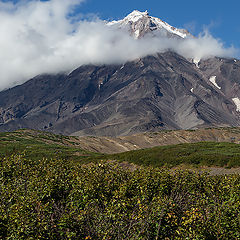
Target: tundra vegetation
{"x": 59, "y": 197}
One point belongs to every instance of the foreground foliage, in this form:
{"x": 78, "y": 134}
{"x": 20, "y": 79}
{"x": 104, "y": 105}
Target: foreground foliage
{"x": 55, "y": 199}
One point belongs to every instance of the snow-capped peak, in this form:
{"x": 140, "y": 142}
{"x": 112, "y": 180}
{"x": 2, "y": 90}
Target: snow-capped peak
{"x": 132, "y": 17}
{"x": 136, "y": 15}
{"x": 140, "y": 23}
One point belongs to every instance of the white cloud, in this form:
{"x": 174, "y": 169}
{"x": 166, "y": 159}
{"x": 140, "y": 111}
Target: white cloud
{"x": 38, "y": 37}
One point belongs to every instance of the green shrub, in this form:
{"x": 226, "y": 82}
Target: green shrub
{"x": 197, "y": 154}
{"x": 59, "y": 199}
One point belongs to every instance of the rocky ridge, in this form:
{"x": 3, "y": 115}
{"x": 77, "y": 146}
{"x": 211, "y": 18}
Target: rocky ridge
{"x": 141, "y": 23}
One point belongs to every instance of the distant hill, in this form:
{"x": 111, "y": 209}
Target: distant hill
{"x": 160, "y": 149}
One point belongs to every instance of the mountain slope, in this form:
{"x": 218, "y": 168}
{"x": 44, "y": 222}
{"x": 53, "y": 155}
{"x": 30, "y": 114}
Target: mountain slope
{"x": 164, "y": 91}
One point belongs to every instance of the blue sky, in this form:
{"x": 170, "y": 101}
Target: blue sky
{"x": 37, "y": 34}
{"x": 220, "y": 16}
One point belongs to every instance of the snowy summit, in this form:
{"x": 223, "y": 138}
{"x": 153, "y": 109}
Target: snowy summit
{"x": 140, "y": 23}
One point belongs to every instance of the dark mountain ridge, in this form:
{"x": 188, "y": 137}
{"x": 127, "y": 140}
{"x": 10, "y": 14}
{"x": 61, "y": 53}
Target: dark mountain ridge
{"x": 162, "y": 91}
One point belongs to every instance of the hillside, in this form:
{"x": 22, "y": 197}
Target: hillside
{"x": 161, "y": 138}
{"x": 193, "y": 154}
{"x": 38, "y": 145}
{"x": 109, "y": 145}
{"x": 162, "y": 149}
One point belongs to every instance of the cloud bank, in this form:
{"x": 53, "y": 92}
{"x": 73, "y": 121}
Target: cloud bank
{"x": 41, "y": 37}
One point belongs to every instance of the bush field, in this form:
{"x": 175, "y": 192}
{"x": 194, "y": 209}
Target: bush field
{"x": 59, "y": 199}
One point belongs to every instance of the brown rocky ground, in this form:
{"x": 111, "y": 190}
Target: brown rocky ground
{"x": 148, "y": 140}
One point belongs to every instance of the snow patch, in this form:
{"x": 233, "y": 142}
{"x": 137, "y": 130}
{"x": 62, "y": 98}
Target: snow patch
{"x": 213, "y": 81}
{"x": 100, "y": 85}
{"x": 196, "y": 62}
{"x": 235, "y": 60}
{"x": 192, "y": 90}
{"x": 237, "y": 103}
{"x": 122, "y": 66}
{"x": 137, "y": 33}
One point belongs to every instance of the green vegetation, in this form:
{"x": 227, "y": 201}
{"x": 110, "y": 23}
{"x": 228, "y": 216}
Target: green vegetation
{"x": 59, "y": 199}
{"x": 50, "y": 188}
{"x": 197, "y": 154}
{"x": 38, "y": 145}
